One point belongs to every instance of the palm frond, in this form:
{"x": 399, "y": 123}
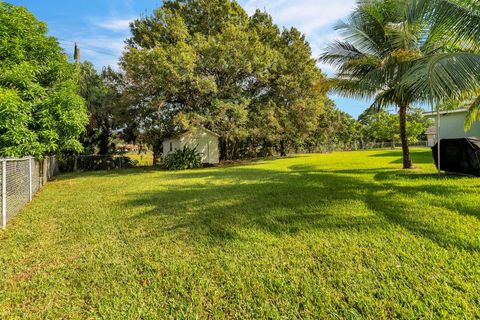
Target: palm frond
{"x": 443, "y": 76}
{"x": 383, "y": 100}
{"x": 353, "y": 89}
{"x": 461, "y": 21}
{"x": 473, "y": 114}
{"x": 339, "y": 52}
{"x": 358, "y": 38}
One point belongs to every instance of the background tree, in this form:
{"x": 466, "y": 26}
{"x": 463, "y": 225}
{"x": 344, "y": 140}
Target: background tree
{"x": 207, "y": 63}
{"x": 335, "y": 130}
{"x": 383, "y": 126}
{"x": 107, "y": 108}
{"x": 40, "y": 110}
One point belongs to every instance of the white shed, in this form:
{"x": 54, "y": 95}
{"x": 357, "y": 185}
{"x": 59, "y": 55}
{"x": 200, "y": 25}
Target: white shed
{"x": 204, "y": 140}
{"x": 451, "y": 126}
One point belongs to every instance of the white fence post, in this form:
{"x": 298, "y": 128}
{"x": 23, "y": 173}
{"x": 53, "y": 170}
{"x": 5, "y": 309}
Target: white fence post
{"x": 4, "y": 194}
{"x": 30, "y": 179}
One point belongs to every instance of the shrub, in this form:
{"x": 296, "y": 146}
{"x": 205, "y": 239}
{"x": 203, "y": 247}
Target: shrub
{"x": 95, "y": 162}
{"x": 183, "y": 159}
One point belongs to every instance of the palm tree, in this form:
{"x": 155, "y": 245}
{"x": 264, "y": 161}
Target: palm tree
{"x": 395, "y": 52}
{"x": 452, "y": 76}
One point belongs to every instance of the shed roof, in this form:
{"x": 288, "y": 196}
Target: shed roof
{"x": 444, "y": 112}
{"x": 182, "y": 133}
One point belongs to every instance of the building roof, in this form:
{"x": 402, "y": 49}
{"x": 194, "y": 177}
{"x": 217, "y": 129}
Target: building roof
{"x": 444, "y": 112}
{"x": 182, "y": 133}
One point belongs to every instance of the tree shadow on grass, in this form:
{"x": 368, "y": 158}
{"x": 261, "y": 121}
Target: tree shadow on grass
{"x": 419, "y": 156}
{"x": 144, "y": 169}
{"x": 229, "y": 201}
{"x": 106, "y": 173}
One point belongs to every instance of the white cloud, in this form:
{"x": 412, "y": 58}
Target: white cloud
{"x": 315, "y": 18}
{"x": 101, "y": 50}
{"x": 116, "y": 25}
{"x": 306, "y": 15}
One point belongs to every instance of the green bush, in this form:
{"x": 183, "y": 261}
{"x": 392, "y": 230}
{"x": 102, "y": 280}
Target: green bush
{"x": 95, "y": 163}
{"x": 183, "y": 159}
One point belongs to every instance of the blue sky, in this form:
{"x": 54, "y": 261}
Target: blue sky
{"x": 101, "y": 26}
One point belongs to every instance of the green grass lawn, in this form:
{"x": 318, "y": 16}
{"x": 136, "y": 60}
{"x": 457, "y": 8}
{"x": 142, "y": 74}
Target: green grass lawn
{"x": 343, "y": 235}
{"x": 143, "y": 160}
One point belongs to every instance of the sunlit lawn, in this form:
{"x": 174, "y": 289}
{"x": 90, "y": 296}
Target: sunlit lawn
{"x": 344, "y": 235}
{"x": 142, "y": 159}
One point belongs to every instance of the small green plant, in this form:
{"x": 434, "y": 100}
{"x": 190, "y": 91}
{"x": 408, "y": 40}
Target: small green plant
{"x": 183, "y": 159}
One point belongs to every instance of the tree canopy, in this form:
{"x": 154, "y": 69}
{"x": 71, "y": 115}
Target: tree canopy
{"x": 40, "y": 110}
{"x": 207, "y": 63}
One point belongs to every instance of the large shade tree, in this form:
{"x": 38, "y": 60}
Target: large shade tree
{"x": 399, "y": 52}
{"x": 207, "y": 63}
{"x": 40, "y": 110}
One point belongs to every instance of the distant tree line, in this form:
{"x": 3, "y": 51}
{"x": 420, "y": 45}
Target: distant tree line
{"x": 113, "y": 117}
{"x": 383, "y": 126}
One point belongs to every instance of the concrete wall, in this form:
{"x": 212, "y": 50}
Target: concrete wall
{"x": 204, "y": 141}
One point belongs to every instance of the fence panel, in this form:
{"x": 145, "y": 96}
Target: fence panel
{"x": 20, "y": 179}
{"x": 17, "y": 186}
{"x": 3, "y": 194}
{"x": 36, "y": 176}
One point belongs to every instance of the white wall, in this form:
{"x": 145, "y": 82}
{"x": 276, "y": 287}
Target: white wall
{"x": 452, "y": 125}
{"x": 205, "y": 142}
{"x": 175, "y": 143}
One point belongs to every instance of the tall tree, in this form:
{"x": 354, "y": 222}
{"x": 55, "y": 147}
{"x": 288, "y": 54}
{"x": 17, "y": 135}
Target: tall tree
{"x": 40, "y": 110}
{"x": 207, "y": 63}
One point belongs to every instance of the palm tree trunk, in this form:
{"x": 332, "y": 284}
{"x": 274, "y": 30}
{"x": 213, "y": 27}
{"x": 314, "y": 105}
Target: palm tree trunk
{"x": 407, "y": 161}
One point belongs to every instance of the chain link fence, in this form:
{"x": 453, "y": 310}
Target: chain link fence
{"x": 20, "y": 179}
{"x": 356, "y": 146}
{"x": 96, "y": 162}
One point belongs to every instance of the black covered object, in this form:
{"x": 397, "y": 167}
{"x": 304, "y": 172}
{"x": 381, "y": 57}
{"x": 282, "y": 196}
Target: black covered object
{"x": 460, "y": 156}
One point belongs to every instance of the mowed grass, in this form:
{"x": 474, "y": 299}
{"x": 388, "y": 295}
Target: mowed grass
{"x": 142, "y": 159}
{"x": 342, "y": 235}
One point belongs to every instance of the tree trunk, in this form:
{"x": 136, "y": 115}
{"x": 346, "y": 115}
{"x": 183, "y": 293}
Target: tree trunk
{"x": 407, "y": 161}
{"x": 223, "y": 147}
{"x": 104, "y": 144}
{"x": 283, "y": 152}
